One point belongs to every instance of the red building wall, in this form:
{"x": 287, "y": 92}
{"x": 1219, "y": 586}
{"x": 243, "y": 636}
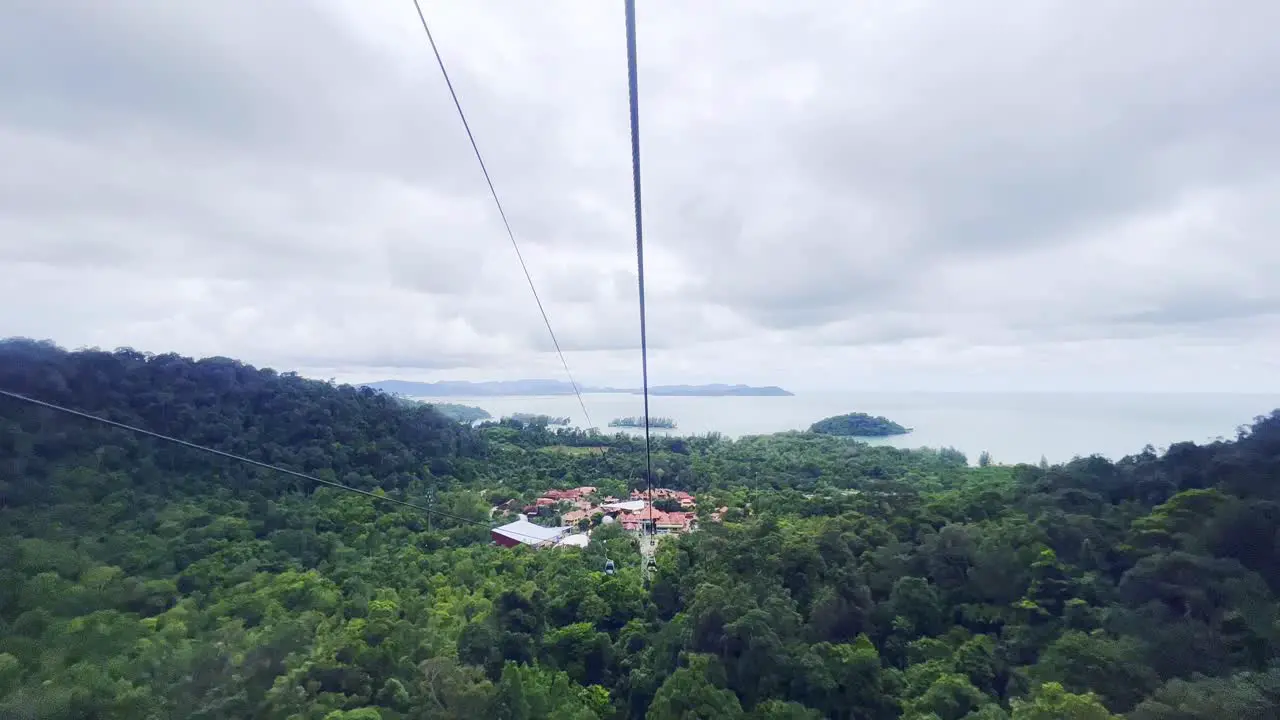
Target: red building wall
{"x": 503, "y": 540}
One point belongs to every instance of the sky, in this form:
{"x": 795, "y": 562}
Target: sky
{"x": 870, "y": 195}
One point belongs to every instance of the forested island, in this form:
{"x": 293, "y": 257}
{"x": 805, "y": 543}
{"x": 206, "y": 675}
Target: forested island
{"x": 536, "y": 419}
{"x": 140, "y": 579}
{"x": 461, "y": 413}
{"x": 664, "y": 423}
{"x": 462, "y": 388}
{"x": 858, "y": 425}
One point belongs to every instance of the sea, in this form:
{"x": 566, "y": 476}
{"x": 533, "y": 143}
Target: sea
{"x": 1012, "y": 427}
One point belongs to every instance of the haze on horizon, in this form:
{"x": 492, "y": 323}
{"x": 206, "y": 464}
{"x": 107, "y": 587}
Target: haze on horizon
{"x": 892, "y": 196}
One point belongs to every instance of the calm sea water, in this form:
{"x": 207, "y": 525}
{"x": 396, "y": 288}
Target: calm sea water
{"x": 1013, "y": 427}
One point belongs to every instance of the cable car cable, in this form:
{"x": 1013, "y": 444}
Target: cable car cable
{"x": 502, "y": 213}
{"x": 633, "y": 94}
{"x": 248, "y": 460}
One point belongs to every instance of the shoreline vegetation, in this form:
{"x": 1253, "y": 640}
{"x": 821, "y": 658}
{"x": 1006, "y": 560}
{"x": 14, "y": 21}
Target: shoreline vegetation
{"x": 858, "y": 425}
{"x": 661, "y": 423}
{"x": 461, "y": 413}
{"x": 539, "y": 419}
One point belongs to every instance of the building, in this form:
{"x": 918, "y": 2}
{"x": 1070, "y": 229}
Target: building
{"x": 523, "y": 532}
{"x": 686, "y": 500}
{"x": 631, "y": 522}
{"x": 635, "y": 514}
{"x": 576, "y": 540}
{"x": 673, "y": 522}
{"x": 573, "y": 517}
{"x": 577, "y": 493}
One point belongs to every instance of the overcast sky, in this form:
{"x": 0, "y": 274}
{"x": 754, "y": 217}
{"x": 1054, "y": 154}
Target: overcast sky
{"x": 891, "y": 195}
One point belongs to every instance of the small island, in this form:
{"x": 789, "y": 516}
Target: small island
{"x": 461, "y": 413}
{"x": 536, "y": 419}
{"x": 664, "y": 423}
{"x": 858, "y": 425}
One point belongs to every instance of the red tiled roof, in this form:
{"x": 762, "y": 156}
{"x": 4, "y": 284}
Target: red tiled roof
{"x": 573, "y": 494}
{"x": 574, "y": 516}
{"x": 665, "y": 493}
{"x": 672, "y": 519}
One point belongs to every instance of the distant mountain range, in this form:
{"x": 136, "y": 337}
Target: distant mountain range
{"x": 462, "y": 388}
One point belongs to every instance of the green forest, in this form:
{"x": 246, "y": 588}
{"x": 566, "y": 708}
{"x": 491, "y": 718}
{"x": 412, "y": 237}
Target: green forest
{"x": 141, "y": 579}
{"x": 538, "y": 419}
{"x": 858, "y": 425}
{"x": 461, "y": 413}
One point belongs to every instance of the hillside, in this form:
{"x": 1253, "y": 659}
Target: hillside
{"x": 145, "y": 580}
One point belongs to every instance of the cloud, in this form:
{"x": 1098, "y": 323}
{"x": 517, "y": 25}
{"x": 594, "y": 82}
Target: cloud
{"x": 917, "y": 194}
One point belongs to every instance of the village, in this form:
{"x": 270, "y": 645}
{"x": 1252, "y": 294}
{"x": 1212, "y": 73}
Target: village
{"x": 580, "y": 510}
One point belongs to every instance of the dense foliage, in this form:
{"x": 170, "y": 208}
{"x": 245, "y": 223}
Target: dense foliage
{"x": 143, "y": 580}
{"x": 461, "y": 413}
{"x": 537, "y": 419}
{"x": 858, "y": 425}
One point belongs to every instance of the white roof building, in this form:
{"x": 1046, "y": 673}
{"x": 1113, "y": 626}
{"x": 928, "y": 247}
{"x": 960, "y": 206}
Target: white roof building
{"x": 578, "y": 540}
{"x": 628, "y": 506}
{"x": 523, "y": 532}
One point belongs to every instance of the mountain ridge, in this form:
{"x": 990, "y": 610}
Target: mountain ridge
{"x": 515, "y": 388}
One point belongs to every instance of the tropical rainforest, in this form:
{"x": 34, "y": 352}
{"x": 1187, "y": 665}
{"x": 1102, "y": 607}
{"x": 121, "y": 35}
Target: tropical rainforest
{"x": 144, "y": 579}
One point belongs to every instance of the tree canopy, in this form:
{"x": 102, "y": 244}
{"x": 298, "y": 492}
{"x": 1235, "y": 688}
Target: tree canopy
{"x": 858, "y": 425}
{"x": 537, "y": 419}
{"x": 145, "y": 580}
{"x": 461, "y": 413}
